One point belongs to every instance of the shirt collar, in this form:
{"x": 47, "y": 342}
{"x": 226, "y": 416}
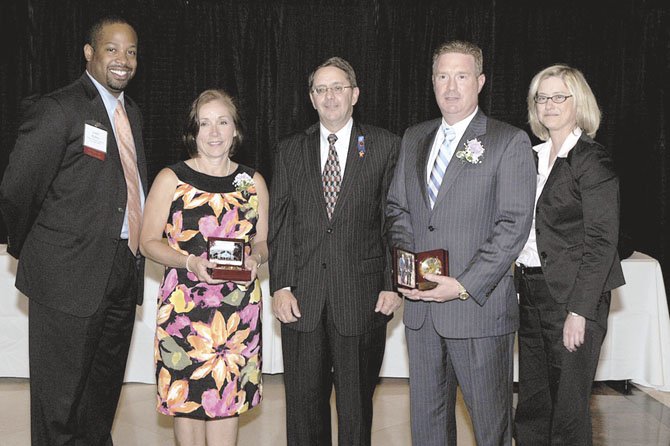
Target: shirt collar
{"x": 568, "y": 144}
{"x": 461, "y": 125}
{"x": 108, "y": 98}
{"x": 342, "y": 134}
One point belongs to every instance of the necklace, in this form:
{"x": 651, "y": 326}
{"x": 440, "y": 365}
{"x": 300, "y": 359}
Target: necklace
{"x": 197, "y": 165}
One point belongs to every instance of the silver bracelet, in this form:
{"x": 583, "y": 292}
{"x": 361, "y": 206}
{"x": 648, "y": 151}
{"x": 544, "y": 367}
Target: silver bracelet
{"x": 187, "y": 259}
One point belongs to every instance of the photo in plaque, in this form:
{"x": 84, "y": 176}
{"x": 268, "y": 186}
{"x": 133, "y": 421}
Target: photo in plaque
{"x": 228, "y": 253}
{"x": 409, "y": 267}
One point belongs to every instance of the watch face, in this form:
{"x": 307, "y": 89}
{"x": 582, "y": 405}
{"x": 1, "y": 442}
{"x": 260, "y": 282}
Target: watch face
{"x": 430, "y": 265}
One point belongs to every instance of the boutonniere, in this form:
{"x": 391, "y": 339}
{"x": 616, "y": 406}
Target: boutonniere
{"x": 244, "y": 183}
{"x": 473, "y": 152}
{"x": 361, "y": 146}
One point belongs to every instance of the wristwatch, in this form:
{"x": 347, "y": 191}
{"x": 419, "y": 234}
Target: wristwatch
{"x": 463, "y": 293}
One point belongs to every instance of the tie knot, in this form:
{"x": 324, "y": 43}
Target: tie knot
{"x": 332, "y": 138}
{"x": 449, "y": 133}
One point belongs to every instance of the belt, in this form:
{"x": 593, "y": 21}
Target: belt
{"x": 529, "y": 270}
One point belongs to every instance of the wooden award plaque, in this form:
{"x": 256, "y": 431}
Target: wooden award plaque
{"x": 409, "y": 267}
{"x": 228, "y": 254}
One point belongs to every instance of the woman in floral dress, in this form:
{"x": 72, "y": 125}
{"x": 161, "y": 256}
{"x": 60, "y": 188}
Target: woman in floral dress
{"x": 208, "y": 338}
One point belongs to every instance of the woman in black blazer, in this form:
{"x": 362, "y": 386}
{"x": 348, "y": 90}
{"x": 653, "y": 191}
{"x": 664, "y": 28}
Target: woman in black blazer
{"x": 569, "y": 264}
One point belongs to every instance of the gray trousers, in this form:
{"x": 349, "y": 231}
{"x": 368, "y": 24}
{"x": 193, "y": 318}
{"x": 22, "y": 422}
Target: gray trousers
{"x": 482, "y": 367}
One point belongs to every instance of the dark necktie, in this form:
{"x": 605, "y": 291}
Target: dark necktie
{"x": 331, "y": 176}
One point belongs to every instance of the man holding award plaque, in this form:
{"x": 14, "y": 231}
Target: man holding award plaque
{"x": 464, "y": 184}
{"x": 330, "y": 271}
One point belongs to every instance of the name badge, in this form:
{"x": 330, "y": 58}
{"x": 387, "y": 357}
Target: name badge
{"x": 95, "y": 140}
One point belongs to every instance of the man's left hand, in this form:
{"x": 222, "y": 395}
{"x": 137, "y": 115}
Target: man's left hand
{"x": 388, "y": 302}
{"x": 447, "y": 289}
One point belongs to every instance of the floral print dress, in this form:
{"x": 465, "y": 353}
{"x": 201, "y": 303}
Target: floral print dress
{"x": 208, "y": 337}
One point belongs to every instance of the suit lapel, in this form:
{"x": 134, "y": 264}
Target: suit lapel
{"x": 100, "y": 115}
{"x": 424, "y": 147}
{"x": 312, "y": 158}
{"x": 353, "y": 167}
{"x": 562, "y": 168}
{"x": 559, "y": 169}
{"x": 476, "y": 129}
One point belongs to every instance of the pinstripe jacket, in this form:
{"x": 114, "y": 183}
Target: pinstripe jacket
{"x": 343, "y": 261}
{"x": 482, "y": 217}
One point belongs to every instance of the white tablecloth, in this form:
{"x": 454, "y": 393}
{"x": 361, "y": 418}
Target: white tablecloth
{"x": 637, "y": 345}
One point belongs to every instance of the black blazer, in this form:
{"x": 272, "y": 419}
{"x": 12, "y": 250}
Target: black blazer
{"x": 344, "y": 261}
{"x": 577, "y": 228}
{"x": 64, "y": 209}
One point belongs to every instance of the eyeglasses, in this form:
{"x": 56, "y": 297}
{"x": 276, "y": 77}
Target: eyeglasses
{"x": 556, "y": 99}
{"x": 336, "y": 89}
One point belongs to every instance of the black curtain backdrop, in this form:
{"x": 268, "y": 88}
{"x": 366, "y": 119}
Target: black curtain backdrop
{"x": 262, "y": 53}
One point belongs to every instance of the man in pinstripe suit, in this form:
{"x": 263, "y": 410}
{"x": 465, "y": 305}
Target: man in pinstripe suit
{"x": 461, "y": 333}
{"x": 329, "y": 264}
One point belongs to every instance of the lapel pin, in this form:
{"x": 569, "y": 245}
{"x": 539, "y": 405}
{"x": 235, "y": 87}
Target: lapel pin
{"x": 361, "y": 146}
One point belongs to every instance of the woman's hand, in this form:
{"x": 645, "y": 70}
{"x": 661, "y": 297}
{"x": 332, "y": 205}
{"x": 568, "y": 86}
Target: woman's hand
{"x": 200, "y": 267}
{"x": 251, "y": 262}
{"x": 573, "y": 331}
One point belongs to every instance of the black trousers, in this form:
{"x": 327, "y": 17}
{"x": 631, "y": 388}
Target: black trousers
{"x": 313, "y": 363}
{"x": 77, "y": 363}
{"x": 554, "y": 384}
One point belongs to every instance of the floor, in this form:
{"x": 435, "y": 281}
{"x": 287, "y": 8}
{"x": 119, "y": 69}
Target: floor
{"x": 640, "y": 418}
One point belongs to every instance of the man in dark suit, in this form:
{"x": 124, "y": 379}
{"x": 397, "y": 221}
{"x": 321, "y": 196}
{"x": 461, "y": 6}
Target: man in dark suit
{"x": 71, "y": 198}
{"x": 464, "y": 183}
{"x": 329, "y": 262}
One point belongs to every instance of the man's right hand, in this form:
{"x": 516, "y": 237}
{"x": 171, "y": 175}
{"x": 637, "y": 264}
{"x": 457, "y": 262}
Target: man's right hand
{"x": 285, "y": 306}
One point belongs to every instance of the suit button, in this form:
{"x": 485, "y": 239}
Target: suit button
{"x": 431, "y": 228}
{"x": 323, "y": 265}
{"x": 120, "y": 209}
{"x": 537, "y": 231}
{"x": 329, "y": 230}
{"x": 543, "y": 255}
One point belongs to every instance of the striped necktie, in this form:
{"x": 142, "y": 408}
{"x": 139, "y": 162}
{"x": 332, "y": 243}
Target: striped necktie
{"x": 440, "y": 165}
{"x": 331, "y": 176}
{"x": 126, "y": 143}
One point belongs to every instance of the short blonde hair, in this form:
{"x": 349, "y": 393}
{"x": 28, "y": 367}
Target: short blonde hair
{"x": 461, "y": 47}
{"x": 586, "y": 106}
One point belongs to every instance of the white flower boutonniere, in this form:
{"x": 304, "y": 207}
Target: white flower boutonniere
{"x": 473, "y": 152}
{"x": 244, "y": 183}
